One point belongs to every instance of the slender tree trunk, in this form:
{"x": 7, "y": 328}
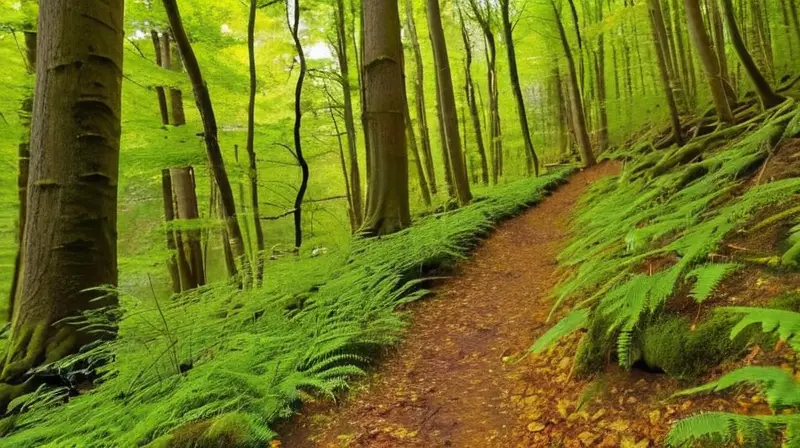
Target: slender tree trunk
{"x": 23, "y": 163}
{"x": 786, "y": 28}
{"x": 349, "y": 121}
{"x": 711, "y": 64}
{"x": 350, "y": 214}
{"x": 252, "y": 173}
{"x": 448, "y": 103}
{"x": 563, "y": 137}
{"x": 766, "y": 95}
{"x": 388, "y": 210}
{"x": 448, "y": 174}
{"x": 210, "y": 134}
{"x": 243, "y": 204}
{"x": 661, "y": 56}
{"x": 419, "y": 95}
{"x": 469, "y": 90}
{"x": 682, "y": 58}
{"x": 601, "y": 83}
{"x": 795, "y": 18}
{"x": 171, "y": 60}
{"x": 294, "y": 27}
{"x": 70, "y": 235}
{"x": 411, "y": 139}
{"x": 578, "y": 115}
{"x": 169, "y": 217}
{"x": 160, "y": 93}
{"x": 531, "y": 159}
{"x": 722, "y": 57}
{"x": 184, "y": 186}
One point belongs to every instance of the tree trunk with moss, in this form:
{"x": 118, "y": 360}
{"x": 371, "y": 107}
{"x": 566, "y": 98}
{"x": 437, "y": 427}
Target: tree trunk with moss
{"x": 766, "y": 95}
{"x": 711, "y": 64}
{"x": 661, "y": 56}
{"x": 387, "y": 207}
{"x": 448, "y": 103}
{"x": 70, "y": 236}
{"x": 722, "y": 56}
{"x": 210, "y": 134}
{"x": 531, "y": 159}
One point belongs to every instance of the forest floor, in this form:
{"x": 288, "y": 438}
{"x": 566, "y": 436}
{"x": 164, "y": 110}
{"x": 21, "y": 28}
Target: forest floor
{"x": 455, "y": 380}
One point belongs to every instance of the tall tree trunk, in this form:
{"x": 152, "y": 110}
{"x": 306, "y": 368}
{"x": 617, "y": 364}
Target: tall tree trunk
{"x": 294, "y": 27}
{"x": 766, "y": 95}
{"x": 160, "y": 93}
{"x": 786, "y": 28}
{"x": 563, "y": 137}
{"x": 682, "y": 57}
{"x": 419, "y": 95}
{"x": 184, "y": 186}
{"x": 448, "y": 103}
{"x": 411, "y": 139}
{"x": 448, "y": 174}
{"x": 252, "y": 173}
{"x": 531, "y": 159}
{"x": 70, "y": 235}
{"x": 661, "y": 56}
{"x": 578, "y": 115}
{"x": 349, "y": 121}
{"x": 697, "y": 31}
{"x": 210, "y": 134}
{"x": 388, "y": 208}
{"x": 469, "y": 90}
{"x": 600, "y": 68}
{"x": 171, "y": 60}
{"x": 169, "y": 217}
{"x": 722, "y": 57}
{"x": 23, "y": 164}
{"x": 795, "y": 18}
{"x": 350, "y": 214}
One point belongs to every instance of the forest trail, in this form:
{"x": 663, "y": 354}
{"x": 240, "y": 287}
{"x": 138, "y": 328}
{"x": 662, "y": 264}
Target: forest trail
{"x": 447, "y": 383}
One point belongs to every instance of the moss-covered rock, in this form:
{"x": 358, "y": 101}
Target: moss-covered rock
{"x": 672, "y": 346}
{"x": 231, "y": 430}
{"x": 593, "y": 349}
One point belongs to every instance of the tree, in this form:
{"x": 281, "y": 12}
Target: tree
{"x": 70, "y": 233}
{"x": 419, "y": 96}
{"x": 252, "y": 173}
{"x": 469, "y": 90}
{"x": 210, "y": 133}
{"x": 294, "y": 28}
{"x": 576, "y": 103}
{"x": 448, "y": 103}
{"x": 171, "y": 60}
{"x": 711, "y": 63}
{"x": 766, "y": 95}
{"x": 531, "y": 159}
{"x": 656, "y": 19}
{"x": 387, "y": 195}
{"x": 349, "y": 121}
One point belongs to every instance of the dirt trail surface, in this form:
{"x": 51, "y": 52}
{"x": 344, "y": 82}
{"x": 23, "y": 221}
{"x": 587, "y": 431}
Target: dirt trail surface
{"x": 450, "y": 382}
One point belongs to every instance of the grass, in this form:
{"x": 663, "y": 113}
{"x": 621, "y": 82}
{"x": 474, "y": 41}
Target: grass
{"x": 189, "y": 363}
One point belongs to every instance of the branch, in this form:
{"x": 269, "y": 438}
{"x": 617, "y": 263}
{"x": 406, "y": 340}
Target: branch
{"x": 277, "y": 217}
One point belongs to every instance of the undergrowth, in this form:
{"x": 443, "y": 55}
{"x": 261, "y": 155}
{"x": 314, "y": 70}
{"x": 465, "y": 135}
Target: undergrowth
{"x": 208, "y": 358}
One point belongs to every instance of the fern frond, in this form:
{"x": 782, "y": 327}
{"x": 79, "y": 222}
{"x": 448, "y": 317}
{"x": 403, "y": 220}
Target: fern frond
{"x": 722, "y": 428}
{"x": 708, "y": 277}
{"x": 574, "y": 321}
{"x": 785, "y": 323}
{"x": 779, "y": 386}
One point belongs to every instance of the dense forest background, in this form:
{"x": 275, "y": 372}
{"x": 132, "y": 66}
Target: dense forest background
{"x": 592, "y": 76}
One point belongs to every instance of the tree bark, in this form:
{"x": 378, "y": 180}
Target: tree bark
{"x": 719, "y": 47}
{"x": 601, "y": 83}
{"x": 531, "y": 159}
{"x": 411, "y": 139}
{"x": 184, "y": 187}
{"x": 766, "y": 95}
{"x": 349, "y": 120}
{"x": 419, "y": 95}
{"x": 711, "y": 64}
{"x": 469, "y": 88}
{"x": 448, "y": 103}
{"x": 210, "y": 134}
{"x": 661, "y": 56}
{"x": 448, "y": 173}
{"x": 252, "y": 173}
{"x": 578, "y": 115}
{"x": 388, "y": 207}
{"x": 70, "y": 232}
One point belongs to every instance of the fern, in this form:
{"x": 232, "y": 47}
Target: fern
{"x": 708, "y": 277}
{"x": 785, "y": 323}
{"x": 719, "y": 428}
{"x": 574, "y": 321}
{"x": 779, "y": 386}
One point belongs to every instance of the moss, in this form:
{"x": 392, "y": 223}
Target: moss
{"x": 231, "y": 430}
{"x": 593, "y": 349}
{"x": 670, "y": 345}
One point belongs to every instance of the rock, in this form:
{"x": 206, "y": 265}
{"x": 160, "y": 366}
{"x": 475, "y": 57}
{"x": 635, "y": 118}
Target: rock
{"x": 588, "y": 438}
{"x": 535, "y": 426}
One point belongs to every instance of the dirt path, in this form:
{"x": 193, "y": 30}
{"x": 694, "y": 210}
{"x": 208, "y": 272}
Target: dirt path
{"x": 447, "y": 384}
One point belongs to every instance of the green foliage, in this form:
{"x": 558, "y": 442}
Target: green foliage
{"x": 574, "y": 321}
{"x": 785, "y": 323}
{"x": 313, "y": 327}
{"x": 708, "y": 277}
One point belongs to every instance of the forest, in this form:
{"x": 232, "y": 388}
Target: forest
{"x": 399, "y": 223}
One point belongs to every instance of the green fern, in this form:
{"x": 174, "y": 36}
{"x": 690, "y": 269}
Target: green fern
{"x": 708, "y": 277}
{"x": 724, "y": 429}
{"x": 778, "y": 386}
{"x": 785, "y": 323}
{"x": 574, "y": 321}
